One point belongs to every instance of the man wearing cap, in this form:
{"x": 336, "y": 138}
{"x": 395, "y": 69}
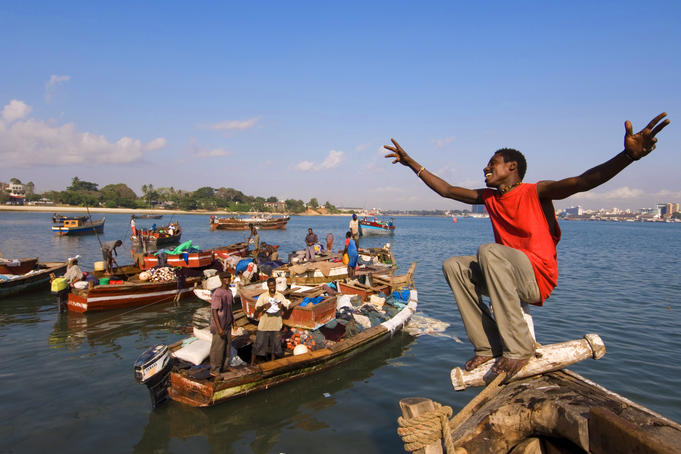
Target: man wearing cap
{"x": 221, "y": 319}
{"x": 268, "y": 336}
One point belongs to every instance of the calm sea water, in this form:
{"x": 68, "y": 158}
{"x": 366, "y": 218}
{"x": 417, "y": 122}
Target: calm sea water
{"x": 67, "y": 385}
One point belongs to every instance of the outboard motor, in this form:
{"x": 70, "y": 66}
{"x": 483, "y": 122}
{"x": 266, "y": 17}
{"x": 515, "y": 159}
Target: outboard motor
{"x": 152, "y": 369}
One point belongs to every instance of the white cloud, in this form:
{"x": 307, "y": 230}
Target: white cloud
{"x": 304, "y": 166}
{"x": 51, "y": 85}
{"x": 333, "y": 160}
{"x": 15, "y": 110}
{"x": 227, "y": 125}
{"x": 27, "y": 142}
{"x": 441, "y": 143}
{"x": 619, "y": 193}
{"x": 201, "y": 152}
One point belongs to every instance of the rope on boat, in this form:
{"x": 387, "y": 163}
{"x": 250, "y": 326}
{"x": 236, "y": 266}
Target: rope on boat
{"x": 420, "y": 431}
{"x": 423, "y": 430}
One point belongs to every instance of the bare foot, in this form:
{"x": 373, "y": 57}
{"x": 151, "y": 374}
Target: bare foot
{"x": 477, "y": 361}
{"x": 510, "y": 366}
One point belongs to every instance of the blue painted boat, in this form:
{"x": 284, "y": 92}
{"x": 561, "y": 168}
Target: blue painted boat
{"x": 376, "y": 227}
{"x": 79, "y": 225}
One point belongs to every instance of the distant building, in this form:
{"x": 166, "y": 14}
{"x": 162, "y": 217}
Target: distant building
{"x": 17, "y": 194}
{"x": 574, "y": 211}
{"x": 277, "y": 206}
{"x": 478, "y": 209}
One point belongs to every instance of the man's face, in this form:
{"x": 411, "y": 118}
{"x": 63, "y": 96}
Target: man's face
{"x": 309, "y": 230}
{"x": 498, "y": 171}
{"x": 272, "y": 287}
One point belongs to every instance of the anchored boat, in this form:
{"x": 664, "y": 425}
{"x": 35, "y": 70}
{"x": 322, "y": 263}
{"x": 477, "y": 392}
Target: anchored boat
{"x": 78, "y": 225}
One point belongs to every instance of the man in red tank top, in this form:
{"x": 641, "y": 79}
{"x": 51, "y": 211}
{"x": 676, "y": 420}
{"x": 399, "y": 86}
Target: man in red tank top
{"x": 520, "y": 267}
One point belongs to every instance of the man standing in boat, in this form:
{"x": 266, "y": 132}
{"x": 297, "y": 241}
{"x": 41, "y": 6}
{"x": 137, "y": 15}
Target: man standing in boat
{"x": 310, "y": 241}
{"x": 221, "y": 319}
{"x": 354, "y": 228}
{"x": 108, "y": 251}
{"x": 268, "y": 337}
{"x": 521, "y": 266}
{"x": 256, "y": 239}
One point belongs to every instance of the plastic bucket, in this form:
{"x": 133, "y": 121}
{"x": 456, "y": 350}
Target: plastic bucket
{"x": 104, "y": 280}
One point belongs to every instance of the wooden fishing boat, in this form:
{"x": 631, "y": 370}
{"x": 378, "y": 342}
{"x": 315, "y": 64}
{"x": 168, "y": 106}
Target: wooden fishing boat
{"x": 18, "y": 266}
{"x": 160, "y": 236}
{"x": 545, "y": 408}
{"x": 376, "y": 226}
{"x": 79, "y": 225}
{"x": 130, "y": 293}
{"x": 238, "y": 249}
{"x": 184, "y": 260}
{"x": 147, "y": 216}
{"x": 35, "y": 279}
{"x": 561, "y": 412}
{"x": 166, "y": 376}
{"x": 237, "y": 223}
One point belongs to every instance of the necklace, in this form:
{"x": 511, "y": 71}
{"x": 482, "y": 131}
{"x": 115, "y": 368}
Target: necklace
{"x": 504, "y": 189}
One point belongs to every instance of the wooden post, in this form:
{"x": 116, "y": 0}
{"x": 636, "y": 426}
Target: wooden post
{"x": 416, "y": 406}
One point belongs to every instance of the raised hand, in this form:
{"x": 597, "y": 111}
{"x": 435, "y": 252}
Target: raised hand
{"x": 398, "y": 153}
{"x": 643, "y": 142}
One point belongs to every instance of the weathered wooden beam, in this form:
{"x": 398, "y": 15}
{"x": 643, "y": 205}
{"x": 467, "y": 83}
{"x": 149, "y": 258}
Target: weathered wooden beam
{"x": 547, "y": 359}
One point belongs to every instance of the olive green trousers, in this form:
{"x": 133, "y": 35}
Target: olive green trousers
{"x": 506, "y": 276}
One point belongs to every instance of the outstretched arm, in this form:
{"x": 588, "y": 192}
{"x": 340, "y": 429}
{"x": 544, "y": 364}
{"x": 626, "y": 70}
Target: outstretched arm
{"x": 636, "y": 146}
{"x": 434, "y": 182}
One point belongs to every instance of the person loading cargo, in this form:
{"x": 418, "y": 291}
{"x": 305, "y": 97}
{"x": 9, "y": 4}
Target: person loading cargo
{"x": 268, "y": 336}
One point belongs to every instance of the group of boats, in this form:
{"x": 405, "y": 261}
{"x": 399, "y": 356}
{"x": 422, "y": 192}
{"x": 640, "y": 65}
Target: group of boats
{"x": 334, "y": 317}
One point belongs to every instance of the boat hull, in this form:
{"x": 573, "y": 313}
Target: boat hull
{"x": 243, "y": 224}
{"x": 34, "y": 281}
{"x": 85, "y": 229}
{"x": 250, "y": 379}
{"x": 189, "y": 260}
{"x": 154, "y": 242}
{"x": 373, "y": 228}
{"x": 109, "y": 297}
{"x": 564, "y": 406}
{"x": 25, "y": 265}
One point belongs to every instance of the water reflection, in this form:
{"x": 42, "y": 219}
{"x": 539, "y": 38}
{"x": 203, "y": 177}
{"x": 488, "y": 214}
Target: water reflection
{"x": 258, "y": 420}
{"x": 104, "y": 328}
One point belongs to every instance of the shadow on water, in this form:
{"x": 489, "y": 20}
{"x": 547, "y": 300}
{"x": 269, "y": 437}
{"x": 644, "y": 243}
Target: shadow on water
{"x": 257, "y": 422}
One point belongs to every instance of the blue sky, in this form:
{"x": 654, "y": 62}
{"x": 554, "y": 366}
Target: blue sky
{"x": 296, "y": 99}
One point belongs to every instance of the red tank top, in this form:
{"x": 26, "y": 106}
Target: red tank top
{"x": 519, "y": 222}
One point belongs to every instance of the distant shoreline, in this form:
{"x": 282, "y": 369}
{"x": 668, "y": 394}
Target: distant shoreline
{"x": 72, "y": 209}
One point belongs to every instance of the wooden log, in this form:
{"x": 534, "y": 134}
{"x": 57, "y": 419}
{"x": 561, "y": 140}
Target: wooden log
{"x": 416, "y": 406}
{"x": 547, "y": 359}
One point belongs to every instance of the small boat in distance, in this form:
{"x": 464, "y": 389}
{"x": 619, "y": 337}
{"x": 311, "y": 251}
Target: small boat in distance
{"x": 242, "y": 223}
{"x": 77, "y": 225}
{"x": 151, "y": 240}
{"x": 147, "y": 216}
{"x": 376, "y": 226}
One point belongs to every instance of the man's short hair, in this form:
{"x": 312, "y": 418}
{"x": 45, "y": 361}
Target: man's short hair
{"x": 511, "y": 154}
{"x": 271, "y": 279}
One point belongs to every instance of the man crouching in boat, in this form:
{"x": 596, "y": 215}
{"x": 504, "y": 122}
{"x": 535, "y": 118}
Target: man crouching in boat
{"x": 221, "y": 319}
{"x": 521, "y": 266}
{"x": 268, "y": 336}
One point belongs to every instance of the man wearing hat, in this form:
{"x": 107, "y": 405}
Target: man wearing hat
{"x": 221, "y": 319}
